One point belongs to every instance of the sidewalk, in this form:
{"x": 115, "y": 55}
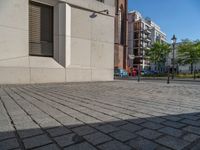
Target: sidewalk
{"x": 160, "y": 78}
{"x": 122, "y": 115}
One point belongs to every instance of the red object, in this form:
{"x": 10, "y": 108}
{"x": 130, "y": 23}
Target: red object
{"x": 134, "y": 72}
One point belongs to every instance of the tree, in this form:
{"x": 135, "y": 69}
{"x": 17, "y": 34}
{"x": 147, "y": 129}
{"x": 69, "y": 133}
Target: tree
{"x": 158, "y": 53}
{"x": 189, "y": 53}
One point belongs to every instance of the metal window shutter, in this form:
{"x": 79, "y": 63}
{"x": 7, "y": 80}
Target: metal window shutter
{"x": 41, "y": 29}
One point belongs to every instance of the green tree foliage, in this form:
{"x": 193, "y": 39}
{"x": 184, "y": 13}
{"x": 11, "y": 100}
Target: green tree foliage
{"x": 189, "y": 53}
{"x": 158, "y": 53}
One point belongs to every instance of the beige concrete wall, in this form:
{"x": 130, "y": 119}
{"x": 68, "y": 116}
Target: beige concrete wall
{"x": 92, "y": 44}
{"x": 94, "y": 5}
{"x": 13, "y": 29}
{"x": 83, "y": 45}
{"x": 15, "y": 64}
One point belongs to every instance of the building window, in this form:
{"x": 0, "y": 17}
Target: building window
{"x": 101, "y": 1}
{"x": 40, "y": 30}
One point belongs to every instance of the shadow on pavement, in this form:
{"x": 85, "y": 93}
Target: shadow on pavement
{"x": 163, "y": 132}
{"x": 47, "y": 118}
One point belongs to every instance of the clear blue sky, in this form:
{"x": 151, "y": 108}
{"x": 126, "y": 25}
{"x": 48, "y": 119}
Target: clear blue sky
{"x": 180, "y": 17}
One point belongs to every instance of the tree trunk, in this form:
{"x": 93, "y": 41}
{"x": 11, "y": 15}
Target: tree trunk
{"x": 191, "y": 68}
{"x": 159, "y": 67}
{"x": 194, "y": 72}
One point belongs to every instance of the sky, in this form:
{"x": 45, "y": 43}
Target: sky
{"x": 179, "y": 17}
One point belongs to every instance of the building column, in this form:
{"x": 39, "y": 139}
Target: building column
{"x": 62, "y": 30}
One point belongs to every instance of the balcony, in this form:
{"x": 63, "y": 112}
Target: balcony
{"x": 147, "y": 47}
{"x": 147, "y": 31}
{"x": 148, "y": 39}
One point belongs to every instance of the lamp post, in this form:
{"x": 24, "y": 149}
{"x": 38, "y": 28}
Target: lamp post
{"x": 168, "y": 75}
{"x": 195, "y": 72}
{"x": 173, "y": 62}
{"x": 168, "y": 69}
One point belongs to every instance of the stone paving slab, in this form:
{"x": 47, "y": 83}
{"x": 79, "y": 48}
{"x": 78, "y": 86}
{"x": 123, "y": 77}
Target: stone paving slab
{"x": 173, "y": 142}
{"x": 119, "y": 115}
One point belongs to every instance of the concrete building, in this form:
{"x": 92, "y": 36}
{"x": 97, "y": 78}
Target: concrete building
{"x": 56, "y": 40}
{"x": 142, "y": 33}
{"x": 184, "y": 68}
{"x": 121, "y": 34}
{"x": 157, "y": 36}
{"x": 139, "y": 40}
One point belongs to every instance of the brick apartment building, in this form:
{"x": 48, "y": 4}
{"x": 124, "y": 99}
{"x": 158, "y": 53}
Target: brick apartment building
{"x": 142, "y": 33}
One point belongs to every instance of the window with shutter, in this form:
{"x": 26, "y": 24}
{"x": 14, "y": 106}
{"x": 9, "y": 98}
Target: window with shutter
{"x": 101, "y": 1}
{"x": 40, "y": 30}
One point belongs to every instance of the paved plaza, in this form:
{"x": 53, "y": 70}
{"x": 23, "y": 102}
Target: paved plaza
{"x": 119, "y": 115}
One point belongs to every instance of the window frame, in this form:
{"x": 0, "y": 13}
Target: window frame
{"x": 42, "y": 5}
{"x": 101, "y": 1}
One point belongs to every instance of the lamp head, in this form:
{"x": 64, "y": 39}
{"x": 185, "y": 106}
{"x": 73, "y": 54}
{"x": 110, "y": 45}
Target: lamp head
{"x": 104, "y": 11}
{"x": 174, "y": 39}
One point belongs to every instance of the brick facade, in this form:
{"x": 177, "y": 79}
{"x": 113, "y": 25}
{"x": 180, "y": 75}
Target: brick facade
{"x": 121, "y": 34}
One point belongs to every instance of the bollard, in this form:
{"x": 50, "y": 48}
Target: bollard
{"x": 168, "y": 77}
{"x": 168, "y": 80}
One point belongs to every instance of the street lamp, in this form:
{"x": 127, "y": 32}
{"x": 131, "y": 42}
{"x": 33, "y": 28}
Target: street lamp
{"x": 168, "y": 71}
{"x": 173, "y": 45}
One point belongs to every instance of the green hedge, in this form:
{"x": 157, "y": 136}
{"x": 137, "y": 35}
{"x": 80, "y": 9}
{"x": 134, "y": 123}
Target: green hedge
{"x": 184, "y": 75}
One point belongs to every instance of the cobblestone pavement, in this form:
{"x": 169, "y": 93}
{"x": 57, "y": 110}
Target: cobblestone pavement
{"x": 120, "y": 115}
